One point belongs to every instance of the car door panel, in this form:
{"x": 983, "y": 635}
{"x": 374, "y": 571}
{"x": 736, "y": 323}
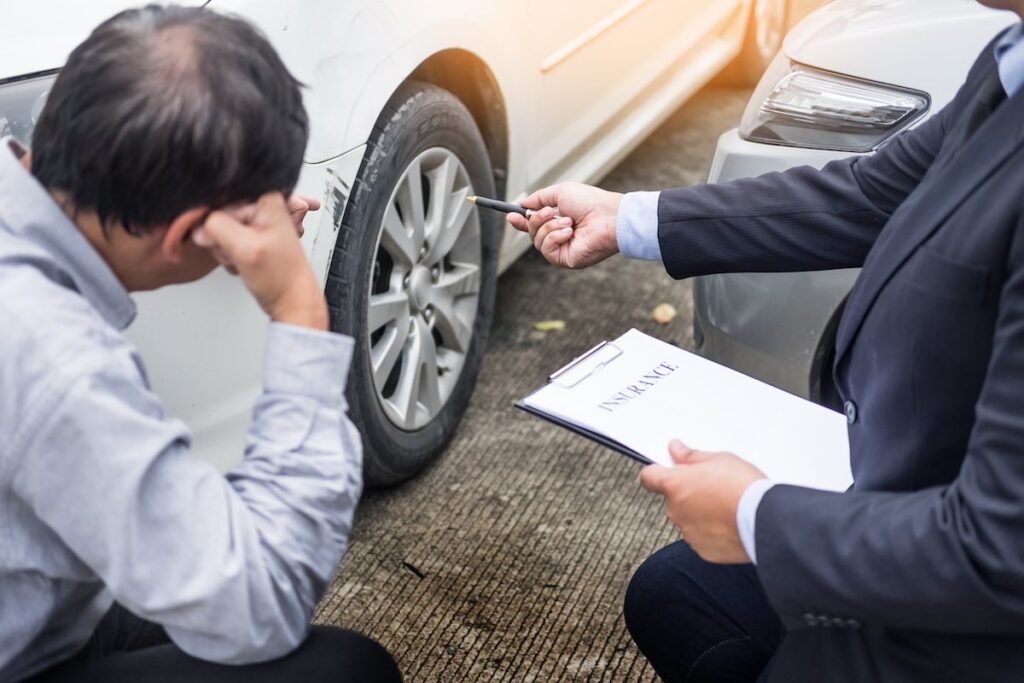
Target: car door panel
{"x": 593, "y": 65}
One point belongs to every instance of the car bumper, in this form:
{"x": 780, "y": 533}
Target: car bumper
{"x": 777, "y": 327}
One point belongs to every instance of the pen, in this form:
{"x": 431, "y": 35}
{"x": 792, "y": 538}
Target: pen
{"x": 504, "y": 207}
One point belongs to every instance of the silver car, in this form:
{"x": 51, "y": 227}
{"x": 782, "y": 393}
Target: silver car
{"x": 849, "y": 77}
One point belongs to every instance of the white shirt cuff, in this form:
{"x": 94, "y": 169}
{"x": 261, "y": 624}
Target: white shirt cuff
{"x": 636, "y": 226}
{"x": 746, "y": 514}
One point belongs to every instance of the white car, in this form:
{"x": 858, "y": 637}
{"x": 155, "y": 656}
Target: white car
{"x": 849, "y": 77}
{"x": 413, "y": 106}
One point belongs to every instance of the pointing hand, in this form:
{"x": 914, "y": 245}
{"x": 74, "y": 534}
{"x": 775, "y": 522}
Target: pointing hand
{"x": 574, "y": 224}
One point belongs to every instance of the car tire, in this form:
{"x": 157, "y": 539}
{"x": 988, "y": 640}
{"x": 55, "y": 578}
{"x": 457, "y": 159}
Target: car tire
{"x": 766, "y": 30}
{"x": 424, "y": 155}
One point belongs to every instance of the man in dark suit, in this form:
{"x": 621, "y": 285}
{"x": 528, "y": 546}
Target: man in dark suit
{"x": 917, "y": 572}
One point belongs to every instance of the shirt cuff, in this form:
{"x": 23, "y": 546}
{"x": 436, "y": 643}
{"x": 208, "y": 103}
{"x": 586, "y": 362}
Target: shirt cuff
{"x": 307, "y": 362}
{"x": 636, "y": 226}
{"x": 746, "y": 514}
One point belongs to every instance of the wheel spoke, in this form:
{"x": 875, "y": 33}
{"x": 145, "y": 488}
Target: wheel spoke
{"x": 386, "y": 308}
{"x": 456, "y": 330}
{"x": 442, "y": 180}
{"x": 388, "y": 348}
{"x": 452, "y": 227}
{"x": 417, "y": 382}
{"x": 462, "y": 280}
{"x": 429, "y": 391}
{"x": 410, "y": 201}
{"x": 396, "y": 240}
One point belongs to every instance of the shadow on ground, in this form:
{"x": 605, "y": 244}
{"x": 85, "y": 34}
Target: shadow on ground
{"x": 508, "y": 560}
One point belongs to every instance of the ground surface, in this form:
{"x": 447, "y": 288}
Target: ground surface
{"x": 508, "y": 560}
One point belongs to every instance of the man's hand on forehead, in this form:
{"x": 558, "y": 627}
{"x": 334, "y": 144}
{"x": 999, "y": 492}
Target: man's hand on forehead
{"x": 298, "y": 206}
{"x": 259, "y": 243}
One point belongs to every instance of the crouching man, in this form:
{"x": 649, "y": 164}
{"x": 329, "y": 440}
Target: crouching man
{"x": 168, "y": 145}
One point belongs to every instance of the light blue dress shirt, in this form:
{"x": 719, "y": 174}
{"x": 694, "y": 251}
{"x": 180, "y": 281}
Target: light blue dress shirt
{"x": 100, "y": 498}
{"x": 637, "y": 236}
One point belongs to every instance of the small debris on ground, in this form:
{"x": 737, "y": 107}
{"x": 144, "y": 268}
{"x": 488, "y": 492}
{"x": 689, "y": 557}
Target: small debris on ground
{"x": 663, "y": 314}
{"x": 414, "y": 569}
{"x": 549, "y": 326}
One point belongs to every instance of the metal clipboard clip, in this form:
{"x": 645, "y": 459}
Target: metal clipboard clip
{"x": 582, "y": 367}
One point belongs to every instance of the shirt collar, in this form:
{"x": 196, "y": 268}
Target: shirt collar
{"x": 1009, "y": 52}
{"x": 28, "y": 211}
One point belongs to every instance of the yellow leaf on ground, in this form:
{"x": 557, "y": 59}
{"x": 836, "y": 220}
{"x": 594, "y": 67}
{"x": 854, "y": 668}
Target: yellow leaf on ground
{"x": 549, "y": 326}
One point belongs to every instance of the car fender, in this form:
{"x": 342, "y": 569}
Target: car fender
{"x": 884, "y": 40}
{"x": 352, "y": 56}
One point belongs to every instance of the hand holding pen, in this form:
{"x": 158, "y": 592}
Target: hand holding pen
{"x": 571, "y": 224}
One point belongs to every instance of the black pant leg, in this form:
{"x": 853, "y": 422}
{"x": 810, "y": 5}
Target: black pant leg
{"x": 701, "y": 622}
{"x": 121, "y": 631}
{"x": 126, "y": 649}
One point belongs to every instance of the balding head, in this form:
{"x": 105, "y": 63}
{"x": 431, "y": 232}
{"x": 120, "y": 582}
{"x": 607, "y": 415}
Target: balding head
{"x": 163, "y": 109}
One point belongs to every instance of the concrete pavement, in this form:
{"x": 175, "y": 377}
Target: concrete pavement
{"x": 509, "y": 558}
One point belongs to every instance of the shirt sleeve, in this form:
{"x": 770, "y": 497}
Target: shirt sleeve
{"x": 746, "y": 514}
{"x": 636, "y": 226}
{"x": 232, "y": 567}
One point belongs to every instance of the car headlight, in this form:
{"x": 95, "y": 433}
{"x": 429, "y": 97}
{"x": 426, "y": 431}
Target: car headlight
{"x": 800, "y": 106}
{"x": 21, "y": 101}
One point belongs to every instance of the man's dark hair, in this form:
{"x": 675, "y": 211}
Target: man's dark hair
{"x": 163, "y": 109}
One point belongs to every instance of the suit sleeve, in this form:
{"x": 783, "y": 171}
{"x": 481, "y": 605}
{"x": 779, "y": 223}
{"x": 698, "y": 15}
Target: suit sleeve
{"x": 802, "y": 219}
{"x": 943, "y": 559}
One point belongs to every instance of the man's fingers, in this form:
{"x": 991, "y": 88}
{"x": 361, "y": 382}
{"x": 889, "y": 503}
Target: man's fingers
{"x": 552, "y": 245}
{"x": 298, "y": 206}
{"x": 537, "y": 221}
{"x": 655, "y": 478}
{"x": 202, "y": 238}
{"x": 223, "y": 231}
{"x": 273, "y": 201}
{"x": 680, "y": 452}
{"x": 518, "y": 222}
{"x": 243, "y": 213}
{"x": 553, "y": 225}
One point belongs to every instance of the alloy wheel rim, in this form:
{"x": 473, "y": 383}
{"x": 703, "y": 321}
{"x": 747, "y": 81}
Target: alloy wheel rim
{"x": 424, "y": 289}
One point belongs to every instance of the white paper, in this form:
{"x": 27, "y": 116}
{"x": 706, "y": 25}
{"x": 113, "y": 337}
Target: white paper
{"x": 653, "y": 392}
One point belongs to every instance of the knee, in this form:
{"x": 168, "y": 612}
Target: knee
{"x": 360, "y": 657}
{"x": 655, "y": 590}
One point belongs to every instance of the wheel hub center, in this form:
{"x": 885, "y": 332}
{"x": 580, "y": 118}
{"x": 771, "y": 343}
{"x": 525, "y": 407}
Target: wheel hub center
{"x": 420, "y": 285}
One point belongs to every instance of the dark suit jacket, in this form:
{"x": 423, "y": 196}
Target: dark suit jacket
{"x": 917, "y": 574}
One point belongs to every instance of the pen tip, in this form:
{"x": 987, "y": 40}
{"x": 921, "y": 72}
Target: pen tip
{"x": 471, "y": 199}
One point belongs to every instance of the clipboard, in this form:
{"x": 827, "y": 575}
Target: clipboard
{"x": 636, "y": 393}
{"x": 570, "y": 375}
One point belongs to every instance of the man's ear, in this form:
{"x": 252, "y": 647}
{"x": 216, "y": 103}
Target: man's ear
{"x": 179, "y": 230}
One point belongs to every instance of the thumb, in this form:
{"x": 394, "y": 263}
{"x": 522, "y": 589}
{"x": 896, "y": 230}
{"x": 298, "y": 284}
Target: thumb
{"x": 680, "y": 452}
{"x": 547, "y": 196}
{"x": 654, "y": 478}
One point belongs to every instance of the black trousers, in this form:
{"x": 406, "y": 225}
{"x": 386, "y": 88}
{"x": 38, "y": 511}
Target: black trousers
{"x": 700, "y": 622}
{"x": 127, "y": 649}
